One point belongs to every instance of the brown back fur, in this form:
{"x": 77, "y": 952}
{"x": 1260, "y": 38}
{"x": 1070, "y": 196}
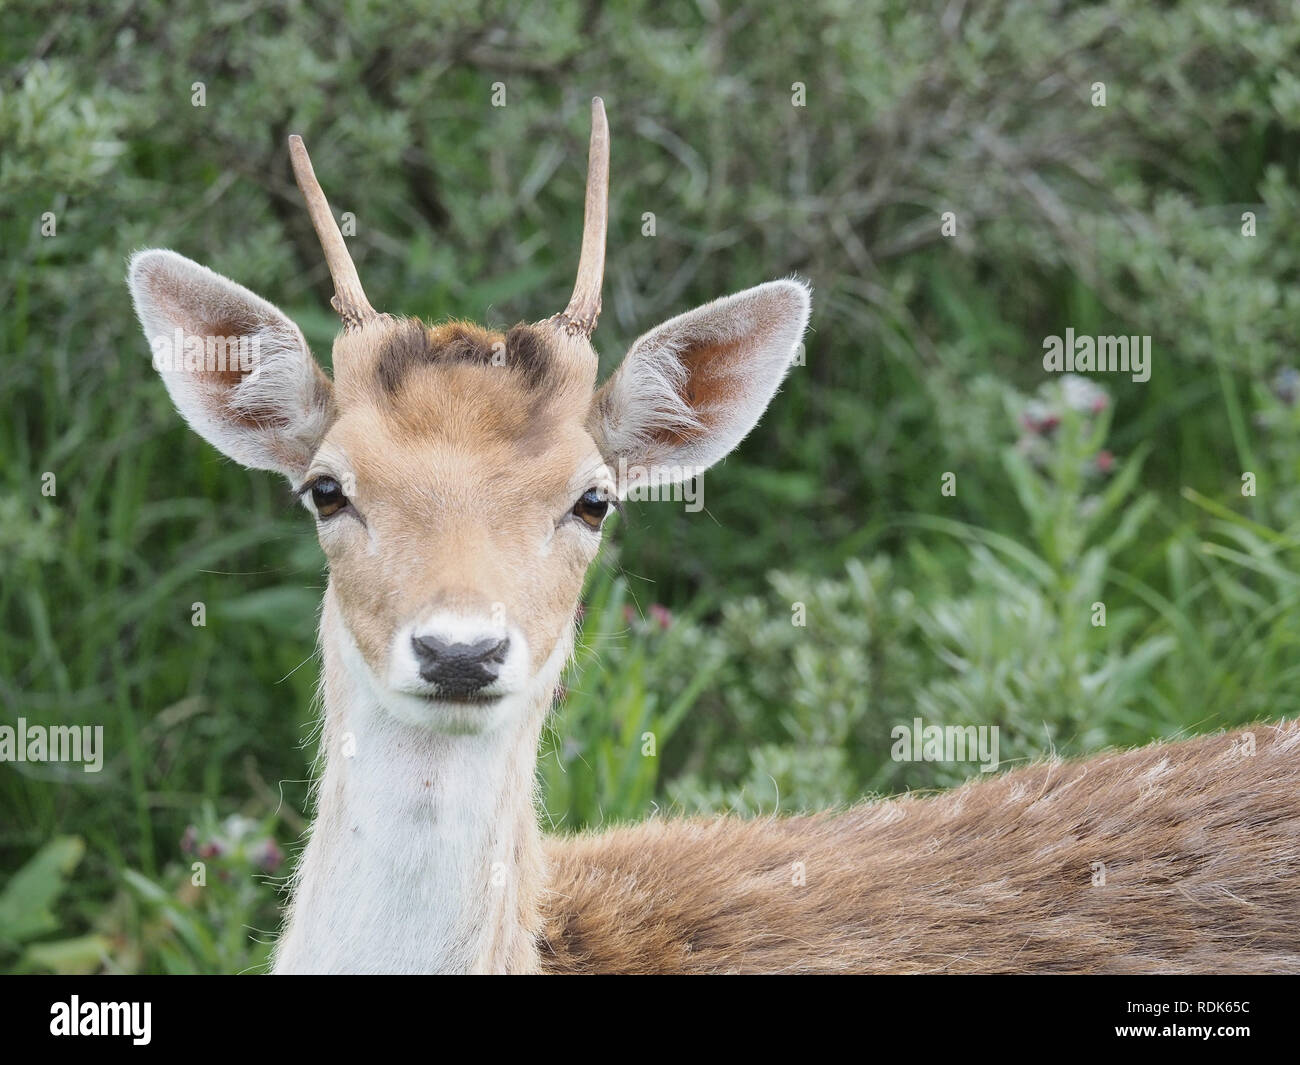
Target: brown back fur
{"x": 1200, "y": 843}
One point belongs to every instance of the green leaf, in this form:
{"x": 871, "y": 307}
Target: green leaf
{"x": 25, "y": 903}
{"x": 85, "y": 954}
{"x": 280, "y": 607}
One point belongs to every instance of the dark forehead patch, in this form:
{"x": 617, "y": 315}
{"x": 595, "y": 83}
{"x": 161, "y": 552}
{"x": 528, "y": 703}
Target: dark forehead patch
{"x": 411, "y": 345}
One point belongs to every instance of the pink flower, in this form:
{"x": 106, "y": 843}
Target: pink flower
{"x": 266, "y": 855}
{"x": 1105, "y": 461}
{"x": 1042, "y": 424}
{"x": 661, "y": 615}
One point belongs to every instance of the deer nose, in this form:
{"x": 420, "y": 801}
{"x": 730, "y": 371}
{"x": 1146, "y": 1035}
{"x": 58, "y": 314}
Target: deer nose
{"x": 459, "y": 669}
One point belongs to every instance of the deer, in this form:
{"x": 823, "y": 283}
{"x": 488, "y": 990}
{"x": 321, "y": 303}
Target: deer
{"x": 459, "y": 479}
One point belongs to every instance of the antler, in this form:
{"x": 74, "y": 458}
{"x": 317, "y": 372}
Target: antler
{"x": 349, "y": 298}
{"x": 579, "y": 317}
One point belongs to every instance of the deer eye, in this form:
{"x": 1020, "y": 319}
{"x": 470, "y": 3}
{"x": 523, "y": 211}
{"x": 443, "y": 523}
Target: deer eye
{"x": 591, "y": 508}
{"x": 327, "y": 496}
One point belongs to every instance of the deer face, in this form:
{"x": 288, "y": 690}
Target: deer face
{"x": 460, "y": 478}
{"x": 459, "y": 499}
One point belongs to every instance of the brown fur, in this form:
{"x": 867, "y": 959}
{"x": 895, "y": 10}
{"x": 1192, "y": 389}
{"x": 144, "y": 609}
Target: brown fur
{"x": 1200, "y": 842}
{"x": 448, "y": 449}
{"x": 410, "y": 344}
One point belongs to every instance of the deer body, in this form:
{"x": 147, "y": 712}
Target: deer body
{"x": 1175, "y": 858}
{"x": 459, "y": 479}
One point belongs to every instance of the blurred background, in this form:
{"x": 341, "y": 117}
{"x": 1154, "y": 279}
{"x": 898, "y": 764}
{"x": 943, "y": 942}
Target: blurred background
{"x": 1117, "y": 167}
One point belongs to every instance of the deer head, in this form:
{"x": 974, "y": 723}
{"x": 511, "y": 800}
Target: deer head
{"x": 459, "y": 478}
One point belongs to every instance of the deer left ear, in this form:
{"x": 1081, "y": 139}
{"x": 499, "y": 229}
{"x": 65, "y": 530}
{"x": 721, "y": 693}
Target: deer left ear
{"x": 691, "y": 389}
{"x": 236, "y": 367}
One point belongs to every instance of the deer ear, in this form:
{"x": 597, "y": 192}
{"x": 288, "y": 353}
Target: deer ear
{"x": 237, "y": 369}
{"x": 691, "y": 389}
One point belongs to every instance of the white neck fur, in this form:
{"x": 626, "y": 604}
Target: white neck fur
{"x": 425, "y": 855}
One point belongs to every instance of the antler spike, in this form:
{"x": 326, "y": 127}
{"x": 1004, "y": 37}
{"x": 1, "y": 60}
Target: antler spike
{"x": 349, "y": 298}
{"x": 579, "y": 317}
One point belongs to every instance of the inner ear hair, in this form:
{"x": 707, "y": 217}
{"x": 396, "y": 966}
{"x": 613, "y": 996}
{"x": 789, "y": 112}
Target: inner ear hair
{"x": 692, "y": 388}
{"x": 237, "y": 368}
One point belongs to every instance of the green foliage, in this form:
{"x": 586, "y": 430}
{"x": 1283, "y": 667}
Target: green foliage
{"x": 924, "y": 359}
{"x": 626, "y": 697}
{"x": 27, "y": 913}
{"x": 214, "y": 913}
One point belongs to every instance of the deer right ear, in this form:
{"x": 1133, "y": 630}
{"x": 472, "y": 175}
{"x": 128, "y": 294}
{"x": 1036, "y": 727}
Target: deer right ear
{"x": 238, "y": 370}
{"x": 689, "y": 390}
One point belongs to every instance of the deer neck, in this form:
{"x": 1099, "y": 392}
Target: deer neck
{"x": 425, "y": 853}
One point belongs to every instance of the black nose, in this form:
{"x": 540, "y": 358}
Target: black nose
{"x": 459, "y": 669}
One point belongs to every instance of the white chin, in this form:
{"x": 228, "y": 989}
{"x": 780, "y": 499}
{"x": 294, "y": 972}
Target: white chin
{"x": 462, "y": 717}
